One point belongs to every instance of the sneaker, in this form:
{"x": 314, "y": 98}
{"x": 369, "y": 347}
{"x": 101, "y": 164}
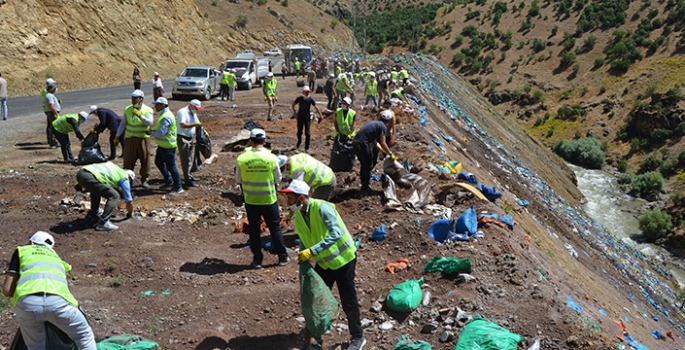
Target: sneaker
{"x": 283, "y": 261}
{"x": 193, "y": 178}
{"x": 190, "y": 183}
{"x": 255, "y": 265}
{"x": 54, "y": 146}
{"x": 357, "y": 343}
{"x": 176, "y": 191}
{"x": 107, "y": 226}
{"x": 145, "y": 185}
{"x": 167, "y": 185}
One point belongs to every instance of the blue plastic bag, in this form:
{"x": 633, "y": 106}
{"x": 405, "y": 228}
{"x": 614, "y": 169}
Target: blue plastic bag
{"x": 489, "y": 192}
{"x": 507, "y": 219}
{"x": 441, "y": 230}
{"x": 467, "y": 222}
{"x": 468, "y": 177}
{"x": 379, "y": 234}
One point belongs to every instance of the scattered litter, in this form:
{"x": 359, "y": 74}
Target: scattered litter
{"x": 405, "y": 296}
{"x": 448, "y": 265}
{"x": 148, "y": 293}
{"x": 126, "y": 342}
{"x": 379, "y": 234}
{"x": 571, "y": 250}
{"x": 399, "y": 265}
{"x": 407, "y": 344}
{"x": 480, "y": 333}
{"x": 573, "y": 305}
{"x": 594, "y": 326}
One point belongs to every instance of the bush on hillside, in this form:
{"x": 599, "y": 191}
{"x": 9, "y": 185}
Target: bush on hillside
{"x": 655, "y": 224}
{"x": 649, "y": 164}
{"x": 585, "y": 152}
{"x": 398, "y": 27}
{"x": 648, "y": 185}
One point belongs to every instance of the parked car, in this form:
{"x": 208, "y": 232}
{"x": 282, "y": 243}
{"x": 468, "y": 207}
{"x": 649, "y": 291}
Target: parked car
{"x": 273, "y": 52}
{"x": 196, "y": 81}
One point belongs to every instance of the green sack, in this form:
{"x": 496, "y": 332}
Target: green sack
{"x": 481, "y": 334}
{"x": 420, "y": 345}
{"x": 448, "y": 265}
{"x": 126, "y": 342}
{"x": 318, "y": 304}
{"x": 405, "y": 296}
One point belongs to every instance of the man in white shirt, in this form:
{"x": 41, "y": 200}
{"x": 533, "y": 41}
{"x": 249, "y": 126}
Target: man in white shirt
{"x": 157, "y": 87}
{"x": 187, "y": 121}
{"x": 3, "y": 97}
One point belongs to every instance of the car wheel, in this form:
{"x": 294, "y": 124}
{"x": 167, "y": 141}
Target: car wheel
{"x": 249, "y": 85}
{"x": 208, "y": 94}
{"x": 175, "y": 97}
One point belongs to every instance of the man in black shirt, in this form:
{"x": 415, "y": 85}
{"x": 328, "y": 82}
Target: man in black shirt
{"x": 304, "y": 119}
{"x": 108, "y": 120}
{"x": 370, "y": 136}
{"x": 329, "y": 90}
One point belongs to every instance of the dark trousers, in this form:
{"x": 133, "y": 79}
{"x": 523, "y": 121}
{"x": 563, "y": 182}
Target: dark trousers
{"x": 223, "y": 92}
{"x": 329, "y": 106}
{"x": 344, "y": 278}
{"x": 113, "y": 146}
{"x": 64, "y": 144}
{"x": 50, "y": 117}
{"x": 305, "y": 124}
{"x": 312, "y": 85}
{"x": 365, "y": 157}
{"x": 165, "y": 160}
{"x": 136, "y": 85}
{"x": 157, "y": 93}
{"x": 272, "y": 218}
{"x": 98, "y": 190}
{"x": 283, "y": 71}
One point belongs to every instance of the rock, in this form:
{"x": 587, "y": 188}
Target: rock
{"x": 448, "y": 321}
{"x": 366, "y": 323}
{"x": 429, "y": 327}
{"x": 376, "y": 307}
{"x": 466, "y": 278}
{"x": 572, "y": 340}
{"x": 446, "y": 336}
{"x": 386, "y": 326}
{"x": 300, "y": 319}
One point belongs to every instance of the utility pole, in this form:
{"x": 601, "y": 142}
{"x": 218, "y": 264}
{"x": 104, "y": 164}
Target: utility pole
{"x": 366, "y": 8}
{"x": 354, "y": 30}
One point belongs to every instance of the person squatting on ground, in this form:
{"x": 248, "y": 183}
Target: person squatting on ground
{"x": 187, "y": 121}
{"x": 258, "y": 173}
{"x": 165, "y": 138}
{"x": 64, "y": 125}
{"x": 371, "y": 135}
{"x": 37, "y": 283}
{"x": 304, "y": 118}
{"x": 108, "y": 120}
{"x": 325, "y": 239}
{"x": 138, "y": 118}
{"x": 110, "y": 181}
{"x": 318, "y": 176}
{"x": 270, "y": 94}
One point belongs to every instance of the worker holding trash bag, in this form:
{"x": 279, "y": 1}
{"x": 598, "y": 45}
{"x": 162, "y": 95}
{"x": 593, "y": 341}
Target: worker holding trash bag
{"x": 324, "y": 238}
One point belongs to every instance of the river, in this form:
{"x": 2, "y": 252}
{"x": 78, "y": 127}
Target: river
{"x": 611, "y": 207}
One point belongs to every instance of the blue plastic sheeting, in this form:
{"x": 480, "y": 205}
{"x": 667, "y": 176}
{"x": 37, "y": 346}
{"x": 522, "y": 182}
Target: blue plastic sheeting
{"x": 406, "y": 165}
{"x": 630, "y": 340}
{"x": 441, "y": 229}
{"x": 493, "y": 216}
{"x": 604, "y": 313}
{"x": 573, "y": 305}
{"x": 490, "y": 192}
{"x": 507, "y": 219}
{"x": 468, "y": 177}
{"x": 656, "y": 335}
{"x": 467, "y": 222}
{"x": 379, "y": 234}
{"x": 522, "y": 202}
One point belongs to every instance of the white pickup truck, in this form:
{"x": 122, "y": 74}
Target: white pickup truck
{"x": 249, "y": 71}
{"x": 197, "y": 81}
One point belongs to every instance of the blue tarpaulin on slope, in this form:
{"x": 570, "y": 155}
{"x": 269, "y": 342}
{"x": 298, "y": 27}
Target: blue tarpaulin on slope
{"x": 490, "y": 192}
{"x": 573, "y": 305}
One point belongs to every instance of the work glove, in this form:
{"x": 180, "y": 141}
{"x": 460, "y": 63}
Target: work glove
{"x": 116, "y": 140}
{"x": 129, "y": 215}
{"x": 56, "y": 115}
{"x": 92, "y": 131}
{"x": 393, "y": 157}
{"x": 276, "y": 97}
{"x": 136, "y": 112}
{"x": 265, "y": 98}
{"x": 304, "y": 255}
{"x": 320, "y": 119}
{"x": 148, "y": 131}
{"x": 198, "y": 124}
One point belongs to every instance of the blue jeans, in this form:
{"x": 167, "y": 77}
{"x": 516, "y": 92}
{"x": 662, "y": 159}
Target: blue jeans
{"x": 3, "y": 108}
{"x": 165, "y": 160}
{"x": 34, "y": 310}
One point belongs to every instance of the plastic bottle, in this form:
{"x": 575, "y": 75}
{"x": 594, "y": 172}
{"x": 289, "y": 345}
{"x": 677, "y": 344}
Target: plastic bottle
{"x": 426, "y": 298}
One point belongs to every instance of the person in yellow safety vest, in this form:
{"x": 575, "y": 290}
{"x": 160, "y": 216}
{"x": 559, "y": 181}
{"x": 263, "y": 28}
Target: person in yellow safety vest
{"x": 393, "y": 75}
{"x": 342, "y": 87}
{"x": 404, "y": 75}
{"x": 258, "y": 173}
{"x": 136, "y": 122}
{"x": 230, "y": 83}
{"x": 166, "y": 139}
{"x": 62, "y": 126}
{"x": 110, "y": 181}
{"x": 270, "y": 93}
{"x": 371, "y": 91}
{"x": 49, "y": 114}
{"x": 344, "y": 121}
{"x": 325, "y": 239}
{"x": 399, "y": 94}
{"x": 37, "y": 283}
{"x": 316, "y": 174}
{"x": 298, "y": 66}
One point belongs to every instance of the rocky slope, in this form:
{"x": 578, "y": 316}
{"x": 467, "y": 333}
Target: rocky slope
{"x": 86, "y": 44}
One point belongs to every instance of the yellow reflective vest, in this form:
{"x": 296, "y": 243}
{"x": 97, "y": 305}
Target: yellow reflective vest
{"x": 62, "y": 124}
{"x": 228, "y": 79}
{"x": 107, "y": 173}
{"x": 404, "y": 74}
{"x": 256, "y": 168}
{"x": 135, "y": 126}
{"x": 340, "y": 86}
{"x": 337, "y": 255}
{"x": 372, "y": 88}
{"x": 42, "y": 270}
{"x": 168, "y": 140}
{"x": 345, "y": 121}
{"x": 271, "y": 85}
{"x": 316, "y": 174}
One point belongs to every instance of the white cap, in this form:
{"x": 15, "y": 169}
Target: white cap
{"x": 161, "y": 100}
{"x": 297, "y": 187}
{"x": 43, "y": 238}
{"x": 156, "y": 74}
{"x": 270, "y": 74}
{"x": 306, "y": 89}
{"x": 257, "y": 133}
{"x": 131, "y": 174}
{"x": 50, "y": 81}
{"x": 138, "y": 93}
{"x": 282, "y": 160}
{"x": 197, "y": 104}
{"x": 386, "y": 115}
{"x": 83, "y": 115}
{"x": 347, "y": 100}
{"x": 332, "y": 75}
{"x": 93, "y": 108}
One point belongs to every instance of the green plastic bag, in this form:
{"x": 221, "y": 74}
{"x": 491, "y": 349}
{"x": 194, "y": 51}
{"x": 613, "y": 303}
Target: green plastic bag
{"x": 402, "y": 344}
{"x": 448, "y": 265}
{"x": 481, "y": 334}
{"x": 126, "y": 342}
{"x": 318, "y": 303}
{"x": 405, "y": 296}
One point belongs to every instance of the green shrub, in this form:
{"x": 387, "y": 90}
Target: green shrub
{"x": 242, "y": 21}
{"x": 655, "y": 224}
{"x": 668, "y": 169}
{"x": 625, "y": 179}
{"x": 566, "y": 59}
{"x": 585, "y": 152}
{"x": 590, "y": 42}
{"x": 538, "y": 96}
{"x": 649, "y": 164}
{"x": 648, "y": 184}
{"x": 622, "y": 165}
{"x": 599, "y": 62}
{"x": 651, "y": 89}
{"x": 660, "y": 135}
{"x": 681, "y": 158}
{"x": 262, "y": 2}
{"x": 571, "y": 112}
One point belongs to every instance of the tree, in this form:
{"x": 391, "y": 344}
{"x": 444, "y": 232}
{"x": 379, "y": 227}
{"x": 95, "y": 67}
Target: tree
{"x": 648, "y": 185}
{"x": 242, "y": 21}
{"x": 585, "y": 152}
{"x": 655, "y": 224}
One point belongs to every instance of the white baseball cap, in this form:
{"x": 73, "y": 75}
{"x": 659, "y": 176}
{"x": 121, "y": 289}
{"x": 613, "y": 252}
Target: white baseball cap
{"x": 270, "y": 74}
{"x": 332, "y": 75}
{"x": 83, "y": 115}
{"x": 156, "y": 74}
{"x": 257, "y": 133}
{"x": 138, "y": 93}
{"x": 161, "y": 100}
{"x": 50, "y": 81}
{"x": 282, "y": 161}
{"x": 197, "y": 104}
{"x": 347, "y": 100}
{"x": 297, "y": 187}
{"x": 43, "y": 238}
{"x": 306, "y": 89}
{"x": 93, "y": 108}
{"x": 386, "y": 115}
{"x": 131, "y": 174}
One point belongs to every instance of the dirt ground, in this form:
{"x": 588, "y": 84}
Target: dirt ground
{"x": 178, "y": 274}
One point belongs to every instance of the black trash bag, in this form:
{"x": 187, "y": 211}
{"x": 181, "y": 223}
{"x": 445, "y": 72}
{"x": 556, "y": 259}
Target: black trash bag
{"x": 319, "y": 88}
{"x": 203, "y": 147}
{"x": 249, "y": 125}
{"x": 90, "y": 151}
{"x": 342, "y": 156}
{"x": 55, "y": 339}
{"x": 300, "y": 82}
